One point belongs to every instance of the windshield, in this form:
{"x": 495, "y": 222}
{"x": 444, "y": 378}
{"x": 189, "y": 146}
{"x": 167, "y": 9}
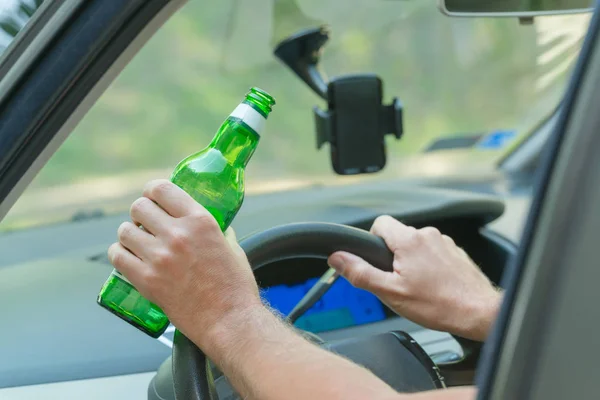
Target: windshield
{"x": 454, "y": 76}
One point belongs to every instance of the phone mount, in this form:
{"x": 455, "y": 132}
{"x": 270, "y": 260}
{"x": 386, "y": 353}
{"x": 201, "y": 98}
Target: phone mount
{"x": 356, "y": 120}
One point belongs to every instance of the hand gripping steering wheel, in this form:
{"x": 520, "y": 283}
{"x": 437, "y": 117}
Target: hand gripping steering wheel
{"x": 394, "y": 356}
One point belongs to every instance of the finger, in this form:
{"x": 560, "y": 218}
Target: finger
{"x": 358, "y": 272}
{"x": 136, "y": 240}
{"x": 230, "y": 235}
{"x": 430, "y": 233}
{"x": 464, "y": 254}
{"x": 448, "y": 240}
{"x": 126, "y": 263}
{"x": 171, "y": 198}
{"x": 395, "y": 234}
{"x": 232, "y": 240}
{"x": 147, "y": 213}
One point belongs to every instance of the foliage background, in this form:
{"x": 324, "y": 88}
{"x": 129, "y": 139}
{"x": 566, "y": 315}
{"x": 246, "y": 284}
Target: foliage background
{"x": 454, "y": 76}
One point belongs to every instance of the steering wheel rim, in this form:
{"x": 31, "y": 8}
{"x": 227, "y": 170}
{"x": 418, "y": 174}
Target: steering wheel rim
{"x": 191, "y": 373}
{"x": 314, "y": 240}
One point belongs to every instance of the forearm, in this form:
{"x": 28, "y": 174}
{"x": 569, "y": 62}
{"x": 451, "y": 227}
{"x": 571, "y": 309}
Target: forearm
{"x": 478, "y": 317}
{"x": 458, "y": 393}
{"x": 264, "y": 359}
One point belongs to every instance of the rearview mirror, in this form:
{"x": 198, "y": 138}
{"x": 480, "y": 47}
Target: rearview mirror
{"x": 514, "y": 8}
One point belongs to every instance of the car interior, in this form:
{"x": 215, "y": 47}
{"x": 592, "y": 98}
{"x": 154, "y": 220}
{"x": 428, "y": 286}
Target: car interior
{"x": 143, "y": 84}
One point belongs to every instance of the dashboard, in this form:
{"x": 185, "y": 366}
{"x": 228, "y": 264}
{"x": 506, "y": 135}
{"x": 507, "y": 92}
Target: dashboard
{"x": 56, "y": 272}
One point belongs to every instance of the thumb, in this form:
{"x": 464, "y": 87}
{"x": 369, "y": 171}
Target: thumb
{"x": 357, "y": 271}
{"x": 230, "y": 235}
{"x": 231, "y": 239}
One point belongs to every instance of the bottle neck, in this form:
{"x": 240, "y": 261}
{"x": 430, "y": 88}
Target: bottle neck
{"x": 235, "y": 141}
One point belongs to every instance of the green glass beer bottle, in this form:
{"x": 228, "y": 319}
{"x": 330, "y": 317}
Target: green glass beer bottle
{"x": 214, "y": 177}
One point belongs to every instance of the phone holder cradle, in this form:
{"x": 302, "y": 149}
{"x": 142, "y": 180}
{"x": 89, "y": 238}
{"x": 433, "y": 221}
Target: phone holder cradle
{"x": 356, "y": 123}
{"x": 356, "y": 120}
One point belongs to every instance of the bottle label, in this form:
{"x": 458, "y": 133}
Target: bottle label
{"x": 250, "y": 117}
{"x": 120, "y": 276}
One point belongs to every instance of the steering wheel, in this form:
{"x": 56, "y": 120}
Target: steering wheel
{"x": 394, "y": 357}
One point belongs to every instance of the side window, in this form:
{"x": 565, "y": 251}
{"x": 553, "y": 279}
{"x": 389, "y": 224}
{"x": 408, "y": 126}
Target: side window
{"x": 14, "y": 16}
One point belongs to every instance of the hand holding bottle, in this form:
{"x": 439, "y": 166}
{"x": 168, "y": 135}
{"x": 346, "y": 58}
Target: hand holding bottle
{"x": 213, "y": 177}
{"x": 182, "y": 261}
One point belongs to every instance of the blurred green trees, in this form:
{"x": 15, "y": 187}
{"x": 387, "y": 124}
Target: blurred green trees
{"x": 453, "y": 76}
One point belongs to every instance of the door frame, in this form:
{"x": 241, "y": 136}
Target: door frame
{"x": 543, "y": 344}
{"x": 50, "y": 86}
